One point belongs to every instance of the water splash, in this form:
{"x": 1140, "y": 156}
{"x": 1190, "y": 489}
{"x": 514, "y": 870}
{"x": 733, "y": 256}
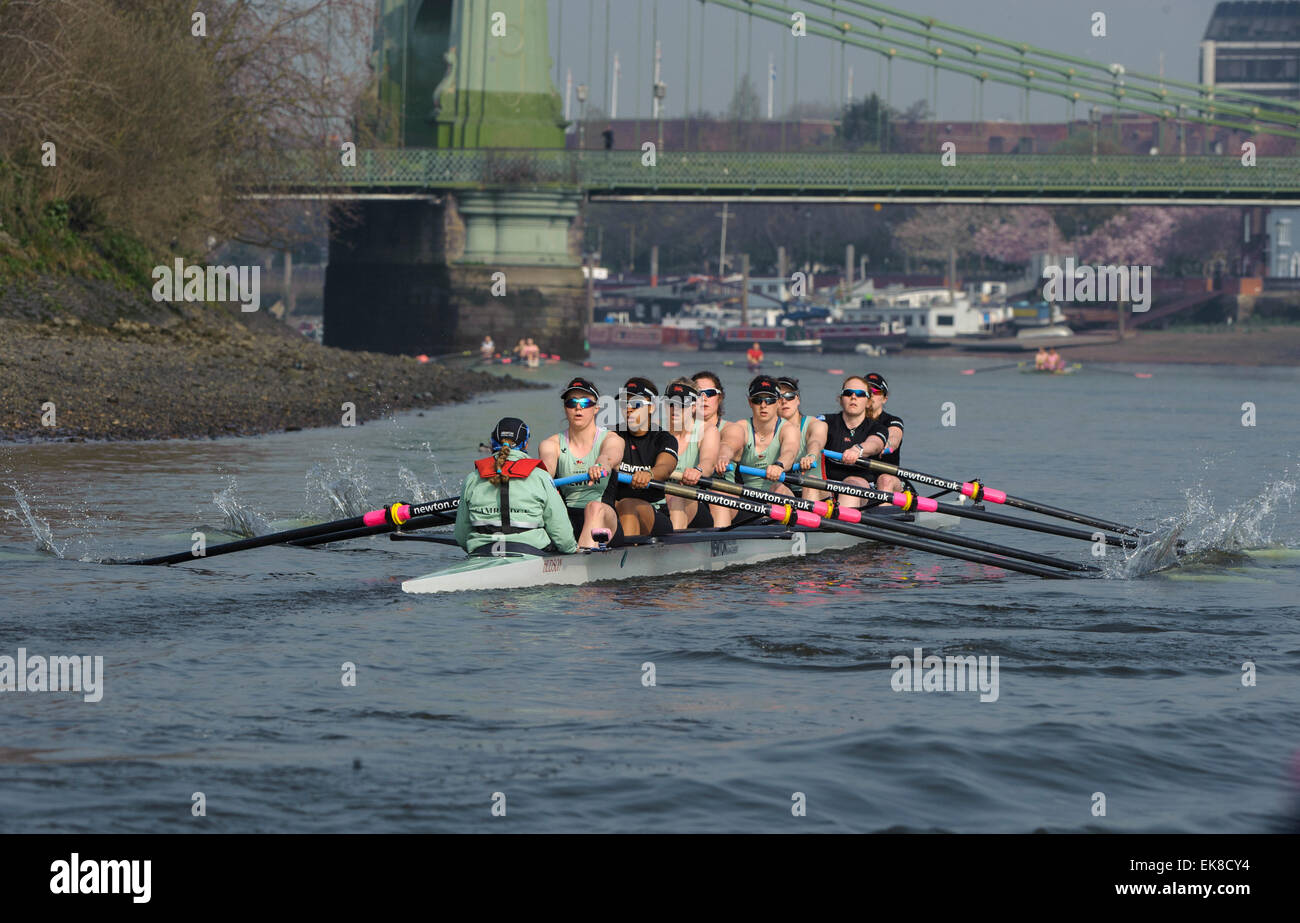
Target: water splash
{"x": 339, "y": 490}
{"x": 40, "y": 529}
{"x": 1213, "y": 539}
{"x": 241, "y": 519}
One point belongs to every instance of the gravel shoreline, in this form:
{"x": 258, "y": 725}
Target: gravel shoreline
{"x": 191, "y": 371}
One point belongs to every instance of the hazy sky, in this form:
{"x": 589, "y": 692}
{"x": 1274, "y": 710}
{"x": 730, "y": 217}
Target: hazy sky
{"x": 1137, "y": 32}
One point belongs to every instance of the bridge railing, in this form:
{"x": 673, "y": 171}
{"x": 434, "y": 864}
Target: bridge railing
{"x": 828, "y": 174}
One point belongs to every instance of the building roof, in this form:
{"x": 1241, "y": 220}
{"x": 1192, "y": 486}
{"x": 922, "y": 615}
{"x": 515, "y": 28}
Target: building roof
{"x": 1255, "y": 21}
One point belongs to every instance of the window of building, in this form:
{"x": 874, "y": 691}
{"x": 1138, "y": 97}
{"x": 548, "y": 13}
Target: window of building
{"x": 995, "y": 145}
{"x": 1284, "y": 232}
{"x": 943, "y": 320}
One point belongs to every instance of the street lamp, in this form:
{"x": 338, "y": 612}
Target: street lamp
{"x": 660, "y": 91}
{"x": 582, "y": 116}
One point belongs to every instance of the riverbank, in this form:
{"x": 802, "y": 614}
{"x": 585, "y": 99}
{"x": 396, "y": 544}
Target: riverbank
{"x": 114, "y": 366}
{"x": 1247, "y": 345}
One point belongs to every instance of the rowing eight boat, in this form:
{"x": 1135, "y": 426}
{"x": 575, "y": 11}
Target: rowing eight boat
{"x": 677, "y": 553}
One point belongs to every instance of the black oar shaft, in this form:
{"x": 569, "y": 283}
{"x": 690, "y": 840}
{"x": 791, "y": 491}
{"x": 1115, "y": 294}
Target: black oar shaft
{"x": 1045, "y": 527}
{"x": 920, "y": 477}
{"x": 908, "y": 528}
{"x": 919, "y": 544}
{"x": 411, "y": 525}
{"x": 880, "y": 532}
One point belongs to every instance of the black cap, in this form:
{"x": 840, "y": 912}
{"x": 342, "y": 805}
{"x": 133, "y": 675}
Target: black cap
{"x": 762, "y": 385}
{"x": 876, "y": 380}
{"x": 788, "y": 384}
{"x": 641, "y": 387}
{"x": 581, "y": 384}
{"x": 512, "y": 430}
{"x": 679, "y": 390}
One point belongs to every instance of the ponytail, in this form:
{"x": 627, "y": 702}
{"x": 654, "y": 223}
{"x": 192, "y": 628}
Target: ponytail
{"x": 501, "y": 456}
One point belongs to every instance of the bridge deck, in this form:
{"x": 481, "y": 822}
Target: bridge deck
{"x": 867, "y": 177}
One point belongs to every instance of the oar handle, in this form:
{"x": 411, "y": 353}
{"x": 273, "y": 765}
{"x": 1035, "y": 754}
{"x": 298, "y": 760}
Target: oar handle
{"x": 784, "y": 514}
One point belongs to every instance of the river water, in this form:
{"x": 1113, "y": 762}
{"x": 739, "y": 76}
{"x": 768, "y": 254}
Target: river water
{"x": 774, "y": 691}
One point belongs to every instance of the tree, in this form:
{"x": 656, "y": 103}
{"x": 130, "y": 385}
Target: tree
{"x": 863, "y": 124}
{"x": 1136, "y": 236}
{"x": 943, "y": 234}
{"x": 1024, "y": 231}
{"x": 744, "y": 105}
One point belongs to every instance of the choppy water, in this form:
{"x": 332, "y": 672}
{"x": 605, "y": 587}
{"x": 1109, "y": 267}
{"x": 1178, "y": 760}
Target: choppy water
{"x": 224, "y": 678}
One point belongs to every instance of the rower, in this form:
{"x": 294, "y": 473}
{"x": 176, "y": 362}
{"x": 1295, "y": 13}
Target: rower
{"x": 1040, "y": 360}
{"x": 812, "y": 432}
{"x": 697, "y": 447}
{"x": 755, "y": 356}
{"x": 845, "y": 431}
{"x": 1054, "y": 361}
{"x": 648, "y": 452}
{"x": 584, "y": 448}
{"x": 763, "y": 441}
{"x": 709, "y": 410}
{"x": 708, "y": 405}
{"x": 487, "y": 348}
{"x": 508, "y": 503}
{"x": 886, "y": 439}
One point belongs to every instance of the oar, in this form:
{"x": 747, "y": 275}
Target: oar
{"x": 907, "y": 500}
{"x": 977, "y": 492}
{"x": 787, "y": 515}
{"x": 951, "y": 509}
{"x": 386, "y": 520}
{"x": 830, "y": 510}
{"x": 994, "y": 368}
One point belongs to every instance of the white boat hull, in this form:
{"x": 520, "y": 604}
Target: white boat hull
{"x": 656, "y": 559}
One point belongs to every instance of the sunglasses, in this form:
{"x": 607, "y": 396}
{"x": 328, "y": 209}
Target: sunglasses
{"x": 580, "y": 403}
{"x": 762, "y": 400}
{"x": 876, "y": 390}
{"x": 709, "y": 392}
{"x": 788, "y": 395}
{"x": 853, "y": 392}
{"x": 636, "y": 403}
{"x": 686, "y": 401}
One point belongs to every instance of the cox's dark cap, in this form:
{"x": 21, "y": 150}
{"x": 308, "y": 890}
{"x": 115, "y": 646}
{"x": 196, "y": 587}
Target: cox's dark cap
{"x": 512, "y": 430}
{"x": 581, "y": 384}
{"x": 876, "y": 380}
{"x": 762, "y": 385}
{"x": 680, "y": 390}
{"x": 788, "y": 384}
{"x": 639, "y": 387}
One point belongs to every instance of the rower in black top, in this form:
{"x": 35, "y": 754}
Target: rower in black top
{"x": 648, "y": 453}
{"x": 845, "y": 432}
{"x": 885, "y": 441}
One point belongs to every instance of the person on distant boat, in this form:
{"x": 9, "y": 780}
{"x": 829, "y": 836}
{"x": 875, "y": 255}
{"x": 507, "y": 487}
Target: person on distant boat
{"x": 1040, "y": 360}
{"x": 754, "y": 355}
{"x": 584, "y": 448}
{"x": 647, "y": 453}
{"x": 1054, "y": 361}
{"x": 532, "y": 353}
{"x": 508, "y": 503}
{"x": 812, "y": 432}
{"x": 697, "y": 451}
{"x": 763, "y": 441}
{"x": 487, "y": 349}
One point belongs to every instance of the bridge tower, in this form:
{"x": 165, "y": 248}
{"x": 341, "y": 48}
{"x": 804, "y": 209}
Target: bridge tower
{"x": 419, "y": 275}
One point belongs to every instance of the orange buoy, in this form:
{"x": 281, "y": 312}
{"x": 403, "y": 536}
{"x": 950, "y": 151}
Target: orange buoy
{"x": 835, "y": 371}
{"x": 671, "y": 365}
{"x": 422, "y": 357}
